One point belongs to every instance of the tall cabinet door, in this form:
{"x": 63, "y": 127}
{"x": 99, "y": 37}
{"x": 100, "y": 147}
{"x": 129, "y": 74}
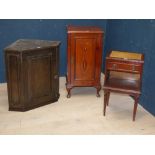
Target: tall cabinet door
{"x": 39, "y": 78}
{"x": 83, "y": 59}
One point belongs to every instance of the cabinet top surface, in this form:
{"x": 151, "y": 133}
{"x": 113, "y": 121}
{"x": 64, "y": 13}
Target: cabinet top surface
{"x": 84, "y": 29}
{"x": 126, "y": 55}
{"x": 30, "y": 44}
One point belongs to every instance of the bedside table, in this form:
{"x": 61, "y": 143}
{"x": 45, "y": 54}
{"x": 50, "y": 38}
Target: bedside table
{"x": 123, "y": 74}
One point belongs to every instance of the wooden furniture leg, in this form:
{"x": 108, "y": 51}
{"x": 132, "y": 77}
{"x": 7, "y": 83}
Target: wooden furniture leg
{"x": 98, "y": 90}
{"x": 108, "y": 95}
{"x": 68, "y": 88}
{"x": 136, "y": 98}
{"x": 105, "y": 102}
{"x": 69, "y": 92}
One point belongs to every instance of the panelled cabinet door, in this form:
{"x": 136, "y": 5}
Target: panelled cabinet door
{"x": 83, "y": 59}
{"x": 39, "y": 75}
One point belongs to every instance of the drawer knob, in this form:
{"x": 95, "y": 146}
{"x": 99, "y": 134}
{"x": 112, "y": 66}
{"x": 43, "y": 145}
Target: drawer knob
{"x": 133, "y": 68}
{"x": 114, "y": 66}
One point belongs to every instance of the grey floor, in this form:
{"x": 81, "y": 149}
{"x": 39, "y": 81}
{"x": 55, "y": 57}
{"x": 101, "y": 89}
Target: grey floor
{"x": 81, "y": 114}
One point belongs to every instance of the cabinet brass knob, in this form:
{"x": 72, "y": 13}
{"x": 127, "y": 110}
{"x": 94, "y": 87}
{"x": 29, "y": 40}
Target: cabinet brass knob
{"x": 55, "y": 76}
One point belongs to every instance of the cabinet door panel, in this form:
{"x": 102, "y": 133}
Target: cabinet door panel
{"x": 39, "y": 78}
{"x": 84, "y": 59}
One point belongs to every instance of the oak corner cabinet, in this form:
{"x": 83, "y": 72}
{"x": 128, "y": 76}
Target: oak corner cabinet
{"x": 84, "y": 57}
{"x": 32, "y": 71}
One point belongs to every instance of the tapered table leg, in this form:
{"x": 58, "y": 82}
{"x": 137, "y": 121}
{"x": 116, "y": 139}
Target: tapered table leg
{"x": 108, "y": 95}
{"x": 135, "y": 107}
{"x": 105, "y": 102}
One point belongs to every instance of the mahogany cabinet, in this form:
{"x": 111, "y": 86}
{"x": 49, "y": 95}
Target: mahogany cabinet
{"x": 84, "y": 57}
{"x": 32, "y": 71}
{"x": 123, "y": 74}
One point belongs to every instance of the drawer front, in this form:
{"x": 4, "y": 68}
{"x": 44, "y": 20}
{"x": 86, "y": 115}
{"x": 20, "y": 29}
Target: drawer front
{"x": 135, "y": 68}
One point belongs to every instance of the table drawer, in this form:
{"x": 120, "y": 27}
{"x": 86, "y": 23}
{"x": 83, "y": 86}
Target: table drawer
{"x": 123, "y": 67}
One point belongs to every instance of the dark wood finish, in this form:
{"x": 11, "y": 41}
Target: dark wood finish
{"x": 84, "y": 57}
{"x": 123, "y": 75}
{"x": 32, "y": 69}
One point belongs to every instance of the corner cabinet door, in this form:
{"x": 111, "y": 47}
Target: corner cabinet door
{"x": 39, "y": 78}
{"x": 83, "y": 59}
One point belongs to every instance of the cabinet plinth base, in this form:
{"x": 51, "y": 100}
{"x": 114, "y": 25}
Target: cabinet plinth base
{"x": 24, "y": 109}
